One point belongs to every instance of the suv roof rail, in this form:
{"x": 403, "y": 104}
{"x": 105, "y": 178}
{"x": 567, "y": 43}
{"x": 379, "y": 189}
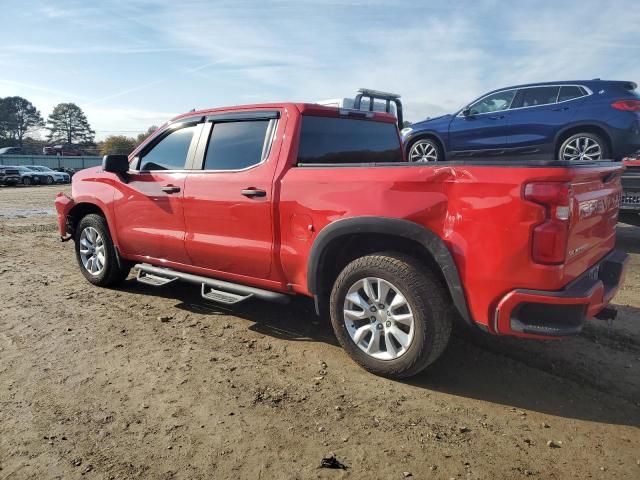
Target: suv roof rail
{"x": 373, "y": 95}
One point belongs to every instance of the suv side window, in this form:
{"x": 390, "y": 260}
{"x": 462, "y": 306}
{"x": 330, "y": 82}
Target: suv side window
{"x": 493, "y": 103}
{"x": 532, "y": 97}
{"x": 170, "y": 153}
{"x": 569, "y": 92}
{"x": 237, "y": 145}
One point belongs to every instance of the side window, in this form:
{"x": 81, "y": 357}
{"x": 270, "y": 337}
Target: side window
{"x": 236, "y": 145}
{"x": 569, "y": 92}
{"x": 170, "y": 153}
{"x": 531, "y": 97}
{"x": 493, "y": 103}
{"x": 332, "y": 140}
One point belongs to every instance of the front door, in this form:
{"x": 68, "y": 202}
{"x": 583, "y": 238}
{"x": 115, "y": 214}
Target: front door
{"x": 228, "y": 205}
{"x": 149, "y": 204}
{"x": 483, "y": 127}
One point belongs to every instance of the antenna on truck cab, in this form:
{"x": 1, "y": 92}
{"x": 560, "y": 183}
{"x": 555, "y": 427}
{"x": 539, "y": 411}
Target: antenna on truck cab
{"x": 373, "y": 95}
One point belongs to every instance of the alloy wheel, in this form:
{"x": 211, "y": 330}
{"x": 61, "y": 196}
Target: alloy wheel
{"x": 423, "y": 151}
{"x": 378, "y": 318}
{"x": 92, "y": 251}
{"x": 582, "y": 148}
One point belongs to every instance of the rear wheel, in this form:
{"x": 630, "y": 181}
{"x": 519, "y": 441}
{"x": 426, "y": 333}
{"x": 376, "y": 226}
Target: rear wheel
{"x": 390, "y": 316}
{"x": 583, "y": 147}
{"x": 425, "y": 150}
{"x": 96, "y": 253}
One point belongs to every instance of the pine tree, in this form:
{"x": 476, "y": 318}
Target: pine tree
{"x": 68, "y": 124}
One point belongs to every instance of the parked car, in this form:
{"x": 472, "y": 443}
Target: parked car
{"x": 569, "y": 120}
{"x": 30, "y": 177}
{"x": 67, "y": 150}
{"x": 302, "y": 199}
{"x": 52, "y": 176}
{"x": 630, "y": 203}
{"x": 12, "y": 151}
{"x": 9, "y": 175}
{"x": 67, "y": 170}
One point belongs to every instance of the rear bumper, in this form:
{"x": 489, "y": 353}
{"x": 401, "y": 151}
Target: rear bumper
{"x": 631, "y": 189}
{"x": 544, "y": 314}
{"x": 63, "y": 206}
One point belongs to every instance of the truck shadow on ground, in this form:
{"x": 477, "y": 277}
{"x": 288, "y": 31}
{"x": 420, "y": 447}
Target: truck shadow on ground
{"x": 474, "y": 367}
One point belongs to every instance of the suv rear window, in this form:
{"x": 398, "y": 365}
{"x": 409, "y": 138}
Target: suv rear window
{"x": 569, "y": 92}
{"x": 329, "y": 140}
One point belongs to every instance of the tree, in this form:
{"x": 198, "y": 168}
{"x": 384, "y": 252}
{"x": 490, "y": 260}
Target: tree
{"x": 143, "y": 136}
{"x": 117, "y": 144}
{"x": 18, "y": 117}
{"x": 68, "y": 124}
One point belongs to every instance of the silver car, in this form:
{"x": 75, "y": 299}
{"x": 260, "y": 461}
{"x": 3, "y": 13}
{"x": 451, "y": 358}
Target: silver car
{"x": 52, "y": 176}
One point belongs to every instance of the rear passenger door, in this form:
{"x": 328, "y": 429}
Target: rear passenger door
{"x": 228, "y": 202}
{"x": 538, "y": 113}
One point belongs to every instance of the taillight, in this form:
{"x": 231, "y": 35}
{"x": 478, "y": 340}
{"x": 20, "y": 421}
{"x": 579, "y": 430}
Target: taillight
{"x": 627, "y": 105}
{"x": 550, "y": 238}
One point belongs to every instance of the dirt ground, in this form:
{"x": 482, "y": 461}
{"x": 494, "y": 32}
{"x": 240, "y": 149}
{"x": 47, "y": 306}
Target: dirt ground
{"x": 138, "y": 382}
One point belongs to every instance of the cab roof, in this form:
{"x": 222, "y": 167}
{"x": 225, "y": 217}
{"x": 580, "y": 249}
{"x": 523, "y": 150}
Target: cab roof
{"x": 303, "y": 108}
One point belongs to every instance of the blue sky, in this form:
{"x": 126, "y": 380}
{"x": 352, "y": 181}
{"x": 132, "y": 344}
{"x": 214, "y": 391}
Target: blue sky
{"x": 133, "y": 63}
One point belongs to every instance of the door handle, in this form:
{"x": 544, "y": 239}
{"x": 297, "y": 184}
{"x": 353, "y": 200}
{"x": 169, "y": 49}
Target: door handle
{"x": 559, "y": 109}
{"x": 253, "y": 192}
{"x": 497, "y": 117}
{"x": 170, "y": 189}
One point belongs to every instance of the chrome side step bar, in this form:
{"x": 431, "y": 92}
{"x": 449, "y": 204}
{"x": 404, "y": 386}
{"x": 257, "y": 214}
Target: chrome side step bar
{"x": 153, "y": 280}
{"x": 219, "y": 296}
{"x": 227, "y": 293}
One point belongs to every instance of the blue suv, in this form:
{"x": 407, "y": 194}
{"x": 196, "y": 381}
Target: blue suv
{"x": 573, "y": 120}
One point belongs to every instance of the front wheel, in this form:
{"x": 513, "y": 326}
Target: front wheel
{"x": 26, "y": 181}
{"x": 49, "y": 180}
{"x": 583, "y": 147}
{"x": 96, "y": 253}
{"x": 390, "y": 316}
{"x": 425, "y": 150}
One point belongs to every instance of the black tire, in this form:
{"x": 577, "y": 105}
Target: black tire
{"x": 26, "y": 181}
{"x": 427, "y": 142}
{"x": 111, "y": 273}
{"x": 49, "y": 180}
{"x": 604, "y": 148}
{"x": 425, "y": 294}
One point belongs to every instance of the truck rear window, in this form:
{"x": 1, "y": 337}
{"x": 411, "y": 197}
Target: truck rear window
{"x": 330, "y": 140}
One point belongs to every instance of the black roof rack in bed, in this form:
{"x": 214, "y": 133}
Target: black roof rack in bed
{"x": 373, "y": 95}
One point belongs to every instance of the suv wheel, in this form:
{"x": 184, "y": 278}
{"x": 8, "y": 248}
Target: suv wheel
{"x": 424, "y": 150}
{"x": 96, "y": 253}
{"x": 390, "y": 316}
{"x": 583, "y": 146}
{"x": 26, "y": 181}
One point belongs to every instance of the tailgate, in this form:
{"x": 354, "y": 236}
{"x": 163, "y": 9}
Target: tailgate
{"x": 594, "y": 214}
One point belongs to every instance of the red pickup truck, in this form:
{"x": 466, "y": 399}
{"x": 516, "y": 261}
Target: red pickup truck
{"x": 270, "y": 201}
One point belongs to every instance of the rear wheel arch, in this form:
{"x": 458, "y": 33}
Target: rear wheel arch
{"x": 583, "y": 128}
{"x": 345, "y": 240}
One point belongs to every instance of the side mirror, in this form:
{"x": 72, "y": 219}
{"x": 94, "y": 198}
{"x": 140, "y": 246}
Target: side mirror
{"x": 118, "y": 164}
{"x": 466, "y": 112}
